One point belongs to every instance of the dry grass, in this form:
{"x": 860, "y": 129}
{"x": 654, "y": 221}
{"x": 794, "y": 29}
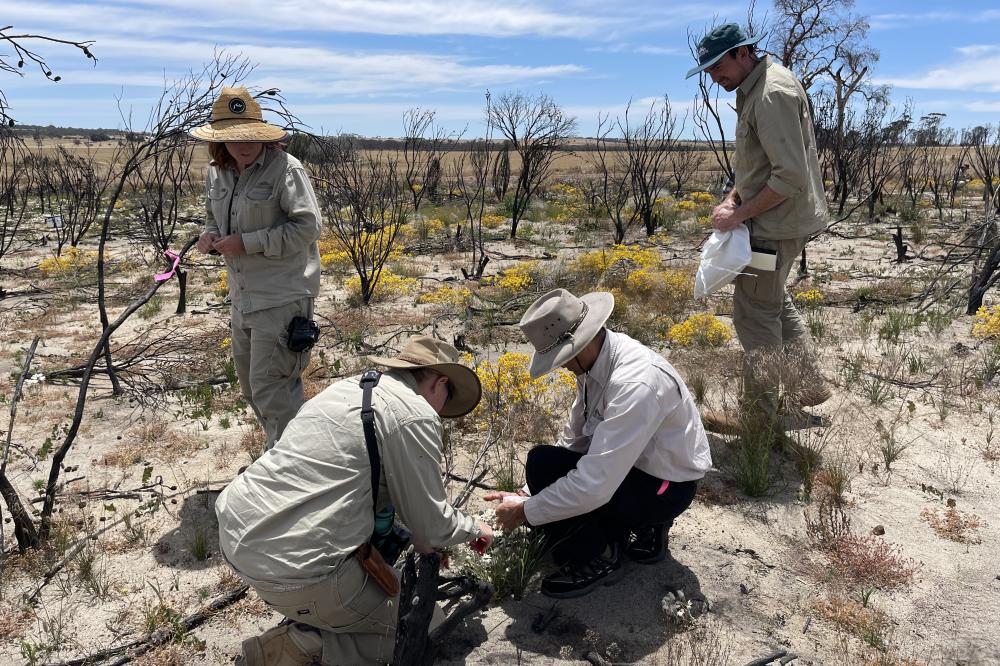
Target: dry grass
{"x": 868, "y": 624}
{"x": 953, "y": 525}
{"x": 13, "y": 621}
{"x": 151, "y": 440}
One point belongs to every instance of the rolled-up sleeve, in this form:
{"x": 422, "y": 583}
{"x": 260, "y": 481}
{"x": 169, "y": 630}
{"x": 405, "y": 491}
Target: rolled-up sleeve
{"x": 779, "y": 127}
{"x": 413, "y": 476}
{"x": 302, "y": 225}
{"x": 617, "y": 443}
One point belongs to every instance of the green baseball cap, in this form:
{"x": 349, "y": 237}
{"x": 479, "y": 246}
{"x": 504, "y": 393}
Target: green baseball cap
{"x": 717, "y": 43}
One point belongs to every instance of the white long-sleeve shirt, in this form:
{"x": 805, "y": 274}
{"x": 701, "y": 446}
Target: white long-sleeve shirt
{"x": 631, "y": 410}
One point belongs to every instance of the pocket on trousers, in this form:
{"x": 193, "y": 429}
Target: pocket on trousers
{"x": 304, "y": 612}
{"x": 284, "y": 362}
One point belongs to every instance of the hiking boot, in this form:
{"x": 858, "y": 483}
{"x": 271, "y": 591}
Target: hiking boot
{"x": 814, "y": 395}
{"x": 576, "y": 580}
{"x": 722, "y": 423}
{"x": 276, "y": 647}
{"x": 647, "y": 545}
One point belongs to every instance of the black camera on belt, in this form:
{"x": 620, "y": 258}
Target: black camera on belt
{"x": 303, "y": 333}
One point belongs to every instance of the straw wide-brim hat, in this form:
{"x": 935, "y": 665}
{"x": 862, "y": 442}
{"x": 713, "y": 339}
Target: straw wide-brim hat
{"x": 718, "y": 43}
{"x": 237, "y": 117}
{"x": 559, "y": 325}
{"x": 423, "y": 351}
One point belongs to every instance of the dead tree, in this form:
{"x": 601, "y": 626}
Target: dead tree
{"x": 76, "y": 189}
{"x": 470, "y": 174}
{"x": 183, "y": 105}
{"x": 48, "y": 505}
{"x": 23, "y": 54}
{"x": 709, "y": 127}
{"x": 615, "y": 180}
{"x": 15, "y": 191}
{"x": 24, "y": 529}
{"x": 157, "y": 188}
{"x": 683, "y": 161}
{"x": 983, "y": 142}
{"x": 364, "y": 204}
{"x": 647, "y": 145}
{"x": 535, "y": 128}
{"x": 809, "y": 36}
{"x": 501, "y": 169}
{"x": 422, "y": 146}
{"x": 422, "y": 588}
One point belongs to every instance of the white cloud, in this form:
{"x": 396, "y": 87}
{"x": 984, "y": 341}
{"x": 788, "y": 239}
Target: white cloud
{"x": 980, "y": 73}
{"x": 322, "y": 71}
{"x": 977, "y": 50}
{"x": 890, "y": 21}
{"x": 983, "y": 106}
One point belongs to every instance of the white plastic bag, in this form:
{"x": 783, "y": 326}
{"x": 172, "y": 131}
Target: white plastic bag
{"x": 724, "y": 255}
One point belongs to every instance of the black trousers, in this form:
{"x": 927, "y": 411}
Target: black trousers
{"x": 634, "y": 504}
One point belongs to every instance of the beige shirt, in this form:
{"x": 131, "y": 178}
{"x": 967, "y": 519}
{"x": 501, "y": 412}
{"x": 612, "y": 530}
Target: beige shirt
{"x": 273, "y": 207}
{"x": 301, "y": 508}
{"x": 631, "y": 410}
{"x": 775, "y": 146}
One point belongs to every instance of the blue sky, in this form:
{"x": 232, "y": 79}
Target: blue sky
{"x": 358, "y": 65}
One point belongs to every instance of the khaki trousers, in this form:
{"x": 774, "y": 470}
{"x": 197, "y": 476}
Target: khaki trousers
{"x": 766, "y": 321}
{"x": 270, "y": 373}
{"x": 355, "y": 618}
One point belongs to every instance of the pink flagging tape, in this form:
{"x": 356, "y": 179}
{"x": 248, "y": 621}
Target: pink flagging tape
{"x": 663, "y": 487}
{"x": 160, "y": 277}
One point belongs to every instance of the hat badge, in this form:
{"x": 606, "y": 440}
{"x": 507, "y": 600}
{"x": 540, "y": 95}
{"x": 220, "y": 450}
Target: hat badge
{"x": 702, "y": 51}
{"x": 237, "y": 105}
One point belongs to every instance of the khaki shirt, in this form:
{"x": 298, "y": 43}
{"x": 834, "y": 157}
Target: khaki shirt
{"x": 273, "y": 207}
{"x": 775, "y": 146}
{"x": 301, "y": 508}
{"x": 632, "y": 410}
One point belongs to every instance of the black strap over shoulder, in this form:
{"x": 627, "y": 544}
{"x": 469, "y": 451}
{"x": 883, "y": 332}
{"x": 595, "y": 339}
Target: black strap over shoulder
{"x": 369, "y": 380}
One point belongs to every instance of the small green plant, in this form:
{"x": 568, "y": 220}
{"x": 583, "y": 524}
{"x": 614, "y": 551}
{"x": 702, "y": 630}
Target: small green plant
{"x": 852, "y": 370}
{"x": 876, "y": 389}
{"x": 151, "y": 308}
{"x": 752, "y": 461}
{"x": 225, "y": 423}
{"x": 511, "y": 563}
{"x": 889, "y": 445}
{"x": 938, "y": 321}
{"x": 198, "y": 543}
{"x": 92, "y": 573}
{"x": 896, "y": 323}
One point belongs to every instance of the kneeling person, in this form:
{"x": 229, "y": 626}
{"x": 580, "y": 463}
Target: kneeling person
{"x": 292, "y": 523}
{"x": 629, "y": 458}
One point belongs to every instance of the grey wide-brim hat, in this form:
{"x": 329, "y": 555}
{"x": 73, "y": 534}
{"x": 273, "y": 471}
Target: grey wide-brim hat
{"x": 423, "y": 351}
{"x": 718, "y": 43}
{"x": 559, "y": 325}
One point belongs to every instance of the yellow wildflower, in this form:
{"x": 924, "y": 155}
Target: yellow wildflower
{"x": 701, "y": 330}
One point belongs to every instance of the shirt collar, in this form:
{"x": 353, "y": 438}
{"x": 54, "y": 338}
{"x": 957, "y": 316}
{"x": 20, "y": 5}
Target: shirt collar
{"x": 755, "y": 75}
{"x": 601, "y": 370}
{"x": 262, "y": 157}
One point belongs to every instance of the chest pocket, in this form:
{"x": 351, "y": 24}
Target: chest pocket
{"x": 218, "y": 201}
{"x": 261, "y": 208}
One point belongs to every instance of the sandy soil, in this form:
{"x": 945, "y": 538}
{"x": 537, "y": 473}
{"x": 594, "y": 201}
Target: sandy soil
{"x": 747, "y": 561}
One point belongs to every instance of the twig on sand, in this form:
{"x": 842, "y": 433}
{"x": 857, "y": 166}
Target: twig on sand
{"x": 160, "y": 636}
{"x": 767, "y": 659}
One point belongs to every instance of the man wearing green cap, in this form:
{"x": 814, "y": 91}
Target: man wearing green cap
{"x": 778, "y": 194}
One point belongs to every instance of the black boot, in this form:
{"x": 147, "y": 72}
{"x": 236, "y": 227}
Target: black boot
{"x": 576, "y": 580}
{"x": 647, "y": 545}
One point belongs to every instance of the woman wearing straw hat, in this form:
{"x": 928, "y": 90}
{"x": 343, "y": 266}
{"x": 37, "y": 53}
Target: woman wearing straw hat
{"x": 629, "y": 459}
{"x": 263, "y": 218}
